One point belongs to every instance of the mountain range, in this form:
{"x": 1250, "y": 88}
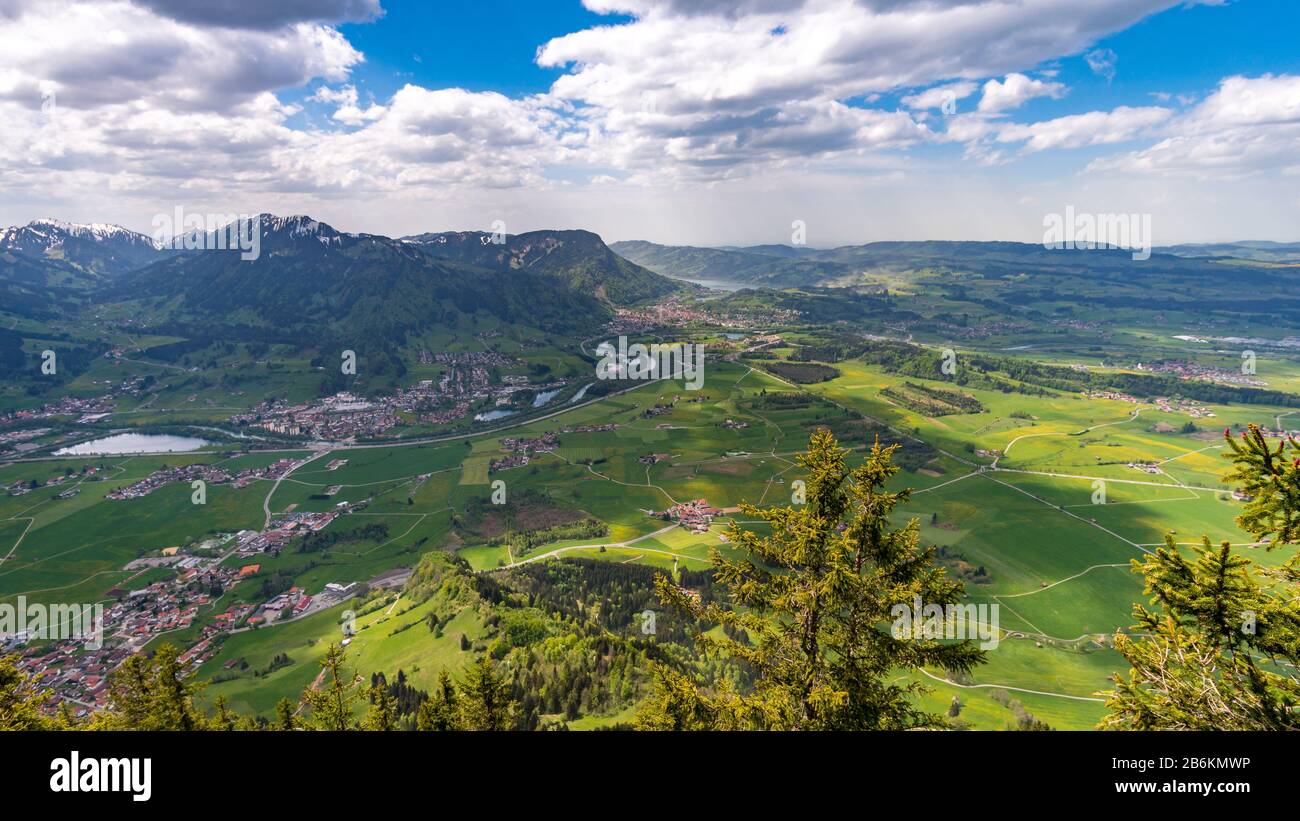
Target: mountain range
{"x": 99, "y": 249}
{"x": 311, "y": 278}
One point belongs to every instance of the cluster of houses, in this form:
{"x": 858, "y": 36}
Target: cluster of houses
{"x": 77, "y": 675}
{"x": 1114, "y": 395}
{"x": 1183, "y": 406}
{"x": 1145, "y": 467}
{"x": 546, "y": 443}
{"x": 462, "y": 380}
{"x": 293, "y": 602}
{"x": 343, "y": 416}
{"x": 671, "y": 311}
{"x": 97, "y": 407}
{"x": 983, "y": 330}
{"x": 1163, "y": 403}
{"x": 21, "y": 488}
{"x": 674, "y": 310}
{"x": 336, "y": 418}
{"x": 285, "y": 527}
{"x": 14, "y": 437}
{"x": 487, "y": 359}
{"x": 658, "y": 409}
{"x": 168, "y": 605}
{"x": 521, "y": 450}
{"x": 447, "y": 414}
{"x": 514, "y": 460}
{"x": 206, "y": 473}
{"x": 695, "y": 515}
{"x": 74, "y": 678}
{"x": 166, "y": 476}
{"x": 1190, "y": 370}
{"x": 1278, "y": 433}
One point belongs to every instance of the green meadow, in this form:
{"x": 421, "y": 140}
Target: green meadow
{"x": 1045, "y": 530}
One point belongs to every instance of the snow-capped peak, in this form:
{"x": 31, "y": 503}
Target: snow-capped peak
{"x": 95, "y": 231}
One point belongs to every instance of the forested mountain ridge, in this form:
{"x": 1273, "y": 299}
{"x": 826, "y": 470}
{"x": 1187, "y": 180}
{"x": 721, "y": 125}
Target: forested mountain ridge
{"x": 578, "y": 259}
{"x": 310, "y": 275}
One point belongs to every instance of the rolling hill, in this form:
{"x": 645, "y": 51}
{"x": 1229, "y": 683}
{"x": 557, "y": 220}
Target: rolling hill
{"x": 578, "y": 259}
{"x": 781, "y": 266}
{"x": 775, "y": 266}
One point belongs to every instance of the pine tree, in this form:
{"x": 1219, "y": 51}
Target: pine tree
{"x": 382, "y": 715}
{"x": 440, "y": 711}
{"x": 675, "y": 705}
{"x": 332, "y": 704}
{"x": 22, "y": 707}
{"x": 174, "y": 698}
{"x": 151, "y": 694}
{"x": 816, "y": 597}
{"x": 1223, "y": 640}
{"x": 285, "y": 718}
{"x": 224, "y": 719}
{"x": 484, "y": 698}
{"x": 128, "y": 693}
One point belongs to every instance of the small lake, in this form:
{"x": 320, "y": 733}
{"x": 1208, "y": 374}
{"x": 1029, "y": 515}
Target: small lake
{"x": 134, "y": 443}
{"x": 581, "y": 393}
{"x": 544, "y": 397}
{"x": 493, "y": 415}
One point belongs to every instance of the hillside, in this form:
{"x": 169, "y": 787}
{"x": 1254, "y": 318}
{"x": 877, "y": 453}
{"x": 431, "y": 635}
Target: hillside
{"x": 578, "y": 259}
{"x": 311, "y": 278}
{"x": 733, "y": 265}
{"x": 1011, "y": 274}
{"x": 1257, "y": 251}
{"x": 38, "y": 287}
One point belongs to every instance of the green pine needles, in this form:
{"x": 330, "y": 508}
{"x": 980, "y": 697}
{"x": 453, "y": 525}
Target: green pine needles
{"x": 812, "y": 604}
{"x": 1218, "y": 649}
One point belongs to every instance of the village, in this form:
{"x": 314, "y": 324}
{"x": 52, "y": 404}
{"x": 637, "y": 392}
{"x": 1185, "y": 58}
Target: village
{"x": 77, "y": 676}
{"x": 86, "y": 409}
{"x": 94, "y": 408}
{"x": 674, "y": 312}
{"x": 346, "y": 417}
{"x": 1190, "y": 370}
{"x": 1165, "y": 404}
{"x": 522, "y": 450}
{"x": 695, "y": 515}
{"x": 204, "y": 473}
{"x": 22, "y": 488}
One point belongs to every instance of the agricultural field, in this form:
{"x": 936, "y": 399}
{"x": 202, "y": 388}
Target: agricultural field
{"x": 1038, "y": 501}
{"x": 1047, "y": 505}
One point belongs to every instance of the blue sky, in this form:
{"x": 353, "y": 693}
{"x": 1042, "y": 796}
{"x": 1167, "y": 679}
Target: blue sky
{"x": 1183, "y": 50}
{"x": 702, "y": 121}
{"x": 466, "y": 43}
